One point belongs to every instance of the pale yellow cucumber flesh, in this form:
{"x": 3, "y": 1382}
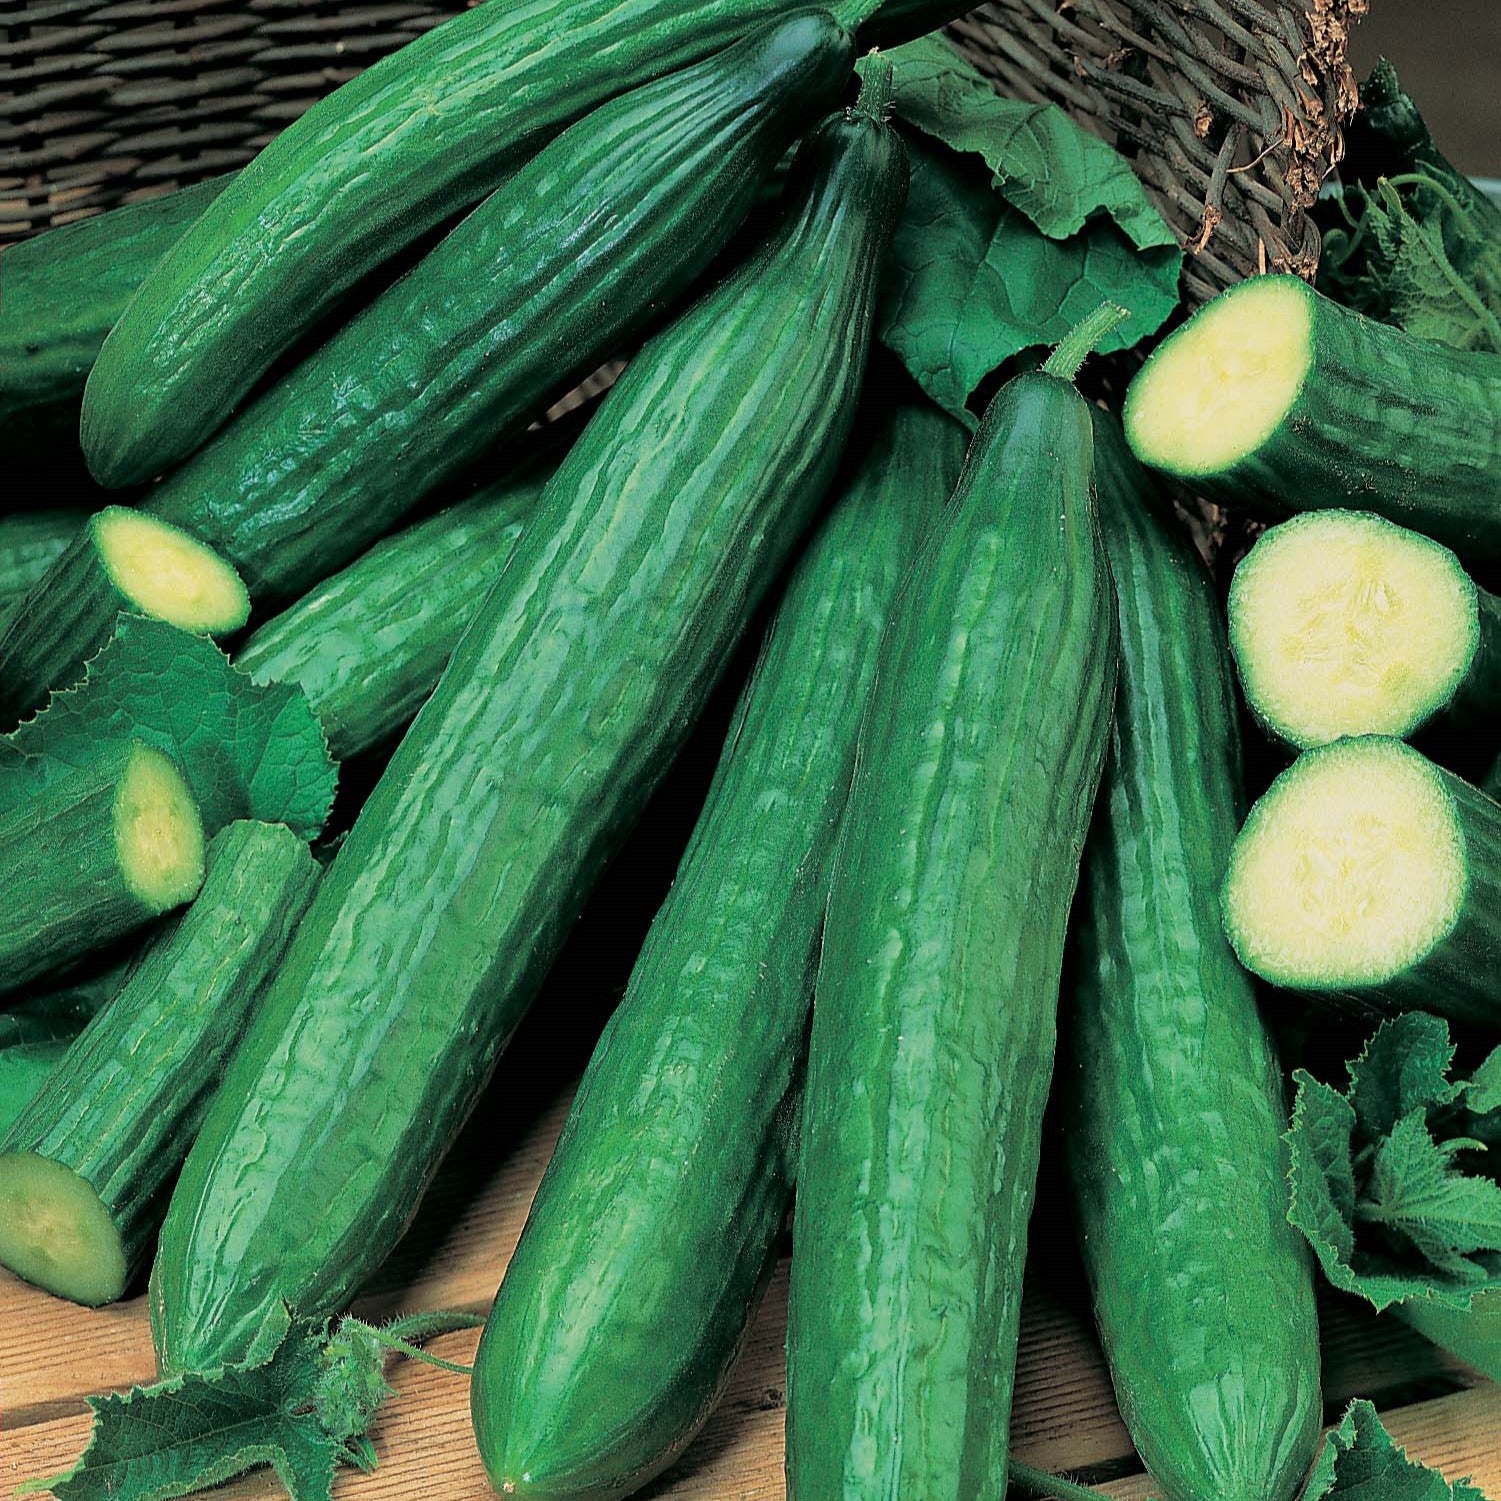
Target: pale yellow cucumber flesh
{"x": 1220, "y": 386}
{"x": 1344, "y": 624}
{"x": 55, "y": 1232}
{"x": 170, "y": 575}
{"x": 158, "y": 831}
{"x": 1349, "y": 870}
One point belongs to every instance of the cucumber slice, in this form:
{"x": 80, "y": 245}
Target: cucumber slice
{"x": 1367, "y": 871}
{"x": 83, "y": 1168}
{"x": 1277, "y": 400}
{"x": 121, "y": 560}
{"x": 98, "y": 853}
{"x": 1344, "y": 624}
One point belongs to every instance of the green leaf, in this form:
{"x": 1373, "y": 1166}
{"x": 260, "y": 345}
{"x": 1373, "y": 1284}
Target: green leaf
{"x": 303, "y": 1408}
{"x": 1017, "y": 225}
{"x": 1359, "y": 1462}
{"x": 249, "y": 751}
{"x": 970, "y": 283}
{"x": 1393, "y": 1183}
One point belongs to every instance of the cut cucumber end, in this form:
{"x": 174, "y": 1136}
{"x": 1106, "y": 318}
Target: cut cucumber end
{"x": 1343, "y": 624}
{"x": 1349, "y": 870}
{"x": 158, "y": 831}
{"x": 1218, "y": 388}
{"x": 55, "y": 1232}
{"x": 170, "y": 575}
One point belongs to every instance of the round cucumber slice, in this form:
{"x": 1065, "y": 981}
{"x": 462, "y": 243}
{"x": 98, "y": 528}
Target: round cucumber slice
{"x": 169, "y": 574}
{"x": 56, "y": 1233}
{"x": 1345, "y": 624}
{"x": 1219, "y": 387}
{"x": 158, "y": 831}
{"x": 1349, "y": 871}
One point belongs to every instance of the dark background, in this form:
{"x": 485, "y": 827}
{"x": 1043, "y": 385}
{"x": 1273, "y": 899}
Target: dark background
{"x": 1448, "y": 55}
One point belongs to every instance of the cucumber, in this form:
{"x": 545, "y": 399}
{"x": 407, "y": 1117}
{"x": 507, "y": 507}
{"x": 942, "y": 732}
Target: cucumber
{"x": 560, "y": 709}
{"x": 120, "y": 560}
{"x": 935, "y": 1018}
{"x": 1275, "y": 399}
{"x": 530, "y": 292}
{"x": 1344, "y": 624}
{"x": 1474, "y": 1336}
{"x": 1369, "y": 873}
{"x": 656, "y": 1224}
{"x": 30, "y": 542}
{"x": 84, "y": 1169}
{"x": 64, "y": 291}
{"x": 96, "y": 854}
{"x": 368, "y": 644}
{"x": 1174, "y": 1108}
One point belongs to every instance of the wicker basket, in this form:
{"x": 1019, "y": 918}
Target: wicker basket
{"x": 1230, "y": 109}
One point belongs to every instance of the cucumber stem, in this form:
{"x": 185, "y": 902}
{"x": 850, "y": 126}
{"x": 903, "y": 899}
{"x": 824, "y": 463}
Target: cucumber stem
{"x": 877, "y": 87}
{"x": 398, "y": 1335}
{"x": 1080, "y": 341}
{"x": 1037, "y": 1482}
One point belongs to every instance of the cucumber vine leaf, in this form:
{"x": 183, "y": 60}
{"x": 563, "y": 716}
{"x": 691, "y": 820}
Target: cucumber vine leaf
{"x": 1360, "y": 1462}
{"x": 304, "y": 1410}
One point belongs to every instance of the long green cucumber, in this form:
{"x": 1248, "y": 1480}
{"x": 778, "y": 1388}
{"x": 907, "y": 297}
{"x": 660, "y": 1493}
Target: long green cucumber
{"x": 1344, "y": 624}
{"x": 935, "y": 1019}
{"x": 1275, "y": 399}
{"x": 409, "y": 142}
{"x": 119, "y": 560}
{"x": 63, "y": 291}
{"x": 1175, "y": 1111}
{"x": 656, "y": 1225}
{"x": 30, "y": 542}
{"x": 582, "y": 247}
{"x": 558, "y": 712}
{"x": 1474, "y": 1336}
{"x": 1366, "y": 872}
{"x": 98, "y": 853}
{"x": 368, "y": 644}
{"x": 84, "y": 1169}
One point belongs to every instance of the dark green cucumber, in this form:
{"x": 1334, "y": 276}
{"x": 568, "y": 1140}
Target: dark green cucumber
{"x": 1366, "y": 872}
{"x": 36, "y": 1031}
{"x": 582, "y": 247}
{"x": 368, "y": 644}
{"x": 1474, "y": 1336}
{"x": 1274, "y": 399}
{"x": 935, "y": 1019}
{"x": 1175, "y": 1111}
{"x": 558, "y": 712}
{"x": 656, "y": 1225}
{"x": 30, "y": 542}
{"x": 1344, "y": 624}
{"x": 84, "y": 1169}
{"x": 119, "y": 560}
{"x": 93, "y": 856}
{"x": 63, "y": 291}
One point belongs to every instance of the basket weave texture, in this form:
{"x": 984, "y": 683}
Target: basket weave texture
{"x": 1230, "y": 109}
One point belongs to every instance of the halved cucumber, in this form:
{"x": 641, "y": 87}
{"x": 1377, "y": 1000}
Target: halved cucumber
{"x": 1344, "y": 624}
{"x": 121, "y": 560}
{"x": 1367, "y": 871}
{"x": 96, "y": 854}
{"x": 1276, "y": 399}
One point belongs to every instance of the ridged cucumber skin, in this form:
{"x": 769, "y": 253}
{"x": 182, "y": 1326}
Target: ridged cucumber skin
{"x": 67, "y": 893}
{"x": 656, "y": 1224}
{"x": 124, "y": 1103}
{"x": 558, "y": 712}
{"x": 1475, "y": 1337}
{"x": 935, "y": 1020}
{"x": 64, "y": 291}
{"x": 412, "y": 140}
{"x": 1174, "y": 1104}
{"x": 64, "y": 619}
{"x": 30, "y": 542}
{"x": 582, "y": 247}
{"x": 368, "y": 644}
{"x": 1384, "y": 422}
